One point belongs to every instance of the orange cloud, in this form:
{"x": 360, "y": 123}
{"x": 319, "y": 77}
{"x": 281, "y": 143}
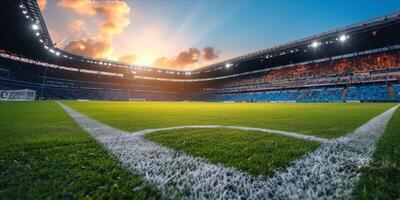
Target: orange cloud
{"x": 162, "y": 62}
{"x": 115, "y": 17}
{"x": 130, "y": 59}
{"x": 42, "y": 4}
{"x": 76, "y": 26}
{"x": 187, "y": 57}
{"x": 90, "y": 48}
{"x": 79, "y": 6}
{"x": 114, "y": 13}
{"x": 184, "y": 58}
{"x": 209, "y": 53}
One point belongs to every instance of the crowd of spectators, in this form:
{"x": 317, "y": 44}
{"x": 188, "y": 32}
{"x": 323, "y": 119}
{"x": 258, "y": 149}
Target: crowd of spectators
{"x": 362, "y": 69}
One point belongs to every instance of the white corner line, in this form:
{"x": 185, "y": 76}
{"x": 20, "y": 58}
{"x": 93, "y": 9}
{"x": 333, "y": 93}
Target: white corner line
{"x": 329, "y": 172}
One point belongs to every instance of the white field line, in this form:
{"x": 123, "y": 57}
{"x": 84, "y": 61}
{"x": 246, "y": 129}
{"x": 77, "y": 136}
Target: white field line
{"x": 243, "y": 128}
{"x": 329, "y": 172}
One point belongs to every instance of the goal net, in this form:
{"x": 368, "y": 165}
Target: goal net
{"x": 17, "y": 95}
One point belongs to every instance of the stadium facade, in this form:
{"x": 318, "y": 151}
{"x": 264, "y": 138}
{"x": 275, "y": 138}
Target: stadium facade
{"x": 359, "y": 62}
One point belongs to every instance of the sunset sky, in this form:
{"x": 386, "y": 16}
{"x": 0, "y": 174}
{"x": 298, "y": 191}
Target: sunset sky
{"x": 189, "y": 34}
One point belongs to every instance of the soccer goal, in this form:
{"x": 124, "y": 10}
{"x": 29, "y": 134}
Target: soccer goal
{"x": 137, "y": 99}
{"x": 17, "y": 95}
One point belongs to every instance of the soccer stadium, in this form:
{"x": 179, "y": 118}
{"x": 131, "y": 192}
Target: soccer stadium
{"x": 312, "y": 118}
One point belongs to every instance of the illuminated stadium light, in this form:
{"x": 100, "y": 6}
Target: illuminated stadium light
{"x": 21, "y": 6}
{"x": 227, "y": 65}
{"x": 40, "y": 40}
{"x": 315, "y": 44}
{"x": 57, "y": 53}
{"x": 24, "y": 12}
{"x": 37, "y": 34}
{"x": 343, "y": 38}
{"x": 46, "y": 47}
{"x": 35, "y": 27}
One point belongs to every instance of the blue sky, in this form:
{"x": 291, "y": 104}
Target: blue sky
{"x": 235, "y": 27}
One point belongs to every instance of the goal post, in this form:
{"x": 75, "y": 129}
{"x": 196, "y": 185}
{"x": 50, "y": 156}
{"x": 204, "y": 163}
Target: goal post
{"x": 17, "y": 95}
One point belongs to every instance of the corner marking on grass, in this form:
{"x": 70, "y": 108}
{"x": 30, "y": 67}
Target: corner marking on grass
{"x": 328, "y": 172}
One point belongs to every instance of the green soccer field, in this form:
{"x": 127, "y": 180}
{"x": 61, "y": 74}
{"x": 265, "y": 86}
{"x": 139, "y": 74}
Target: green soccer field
{"x": 45, "y": 154}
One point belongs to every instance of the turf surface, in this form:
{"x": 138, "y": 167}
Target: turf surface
{"x": 45, "y": 155}
{"x": 325, "y": 120}
{"x": 252, "y": 152}
{"x": 381, "y": 180}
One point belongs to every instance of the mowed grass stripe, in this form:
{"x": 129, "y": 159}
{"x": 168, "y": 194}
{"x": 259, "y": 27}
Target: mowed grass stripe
{"x": 381, "y": 180}
{"x": 252, "y": 152}
{"x": 324, "y": 120}
{"x": 45, "y": 155}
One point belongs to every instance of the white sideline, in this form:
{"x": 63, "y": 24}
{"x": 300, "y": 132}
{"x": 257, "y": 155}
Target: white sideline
{"x": 329, "y": 172}
{"x": 243, "y": 128}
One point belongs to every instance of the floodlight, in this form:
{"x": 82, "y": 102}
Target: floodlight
{"x": 342, "y": 38}
{"x": 57, "y": 53}
{"x": 314, "y": 44}
{"x": 227, "y": 65}
{"x": 35, "y": 27}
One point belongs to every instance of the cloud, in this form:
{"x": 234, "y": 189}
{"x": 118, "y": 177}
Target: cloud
{"x": 162, "y": 62}
{"x": 115, "y": 14}
{"x": 130, "y": 59}
{"x": 184, "y": 58}
{"x": 114, "y": 17}
{"x": 79, "y": 6}
{"x": 76, "y": 26}
{"x": 209, "y": 53}
{"x": 187, "y": 58}
{"x": 42, "y": 4}
{"x": 90, "y": 47}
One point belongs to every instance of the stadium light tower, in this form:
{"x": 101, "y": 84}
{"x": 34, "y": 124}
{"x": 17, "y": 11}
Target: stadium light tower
{"x": 35, "y": 27}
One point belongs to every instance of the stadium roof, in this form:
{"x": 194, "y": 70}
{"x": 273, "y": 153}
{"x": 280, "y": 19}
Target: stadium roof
{"x": 30, "y": 10}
